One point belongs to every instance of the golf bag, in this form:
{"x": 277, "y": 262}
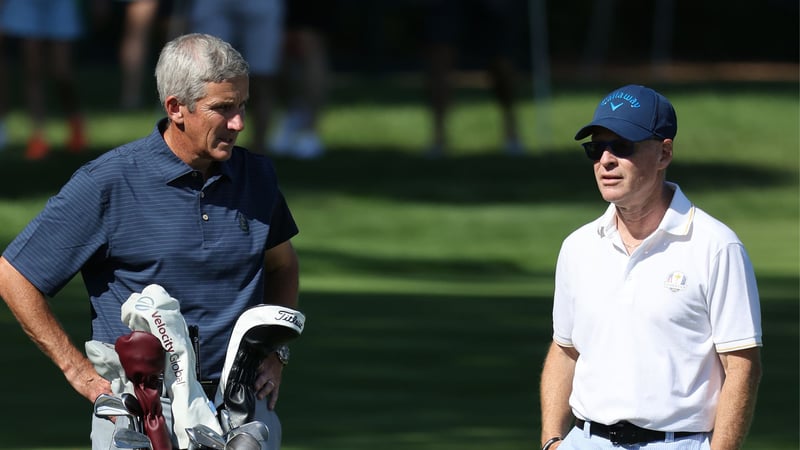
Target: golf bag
{"x": 158, "y": 358}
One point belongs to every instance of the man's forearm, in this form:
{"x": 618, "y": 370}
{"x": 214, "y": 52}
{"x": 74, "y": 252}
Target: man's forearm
{"x": 281, "y": 276}
{"x": 32, "y": 311}
{"x": 737, "y": 399}
{"x": 555, "y": 389}
{"x": 281, "y": 287}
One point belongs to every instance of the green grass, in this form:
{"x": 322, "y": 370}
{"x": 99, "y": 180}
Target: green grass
{"x": 427, "y": 283}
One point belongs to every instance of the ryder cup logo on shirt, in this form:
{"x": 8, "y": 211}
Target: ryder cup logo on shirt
{"x": 676, "y": 281}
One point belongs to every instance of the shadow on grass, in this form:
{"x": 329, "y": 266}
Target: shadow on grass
{"x": 486, "y": 177}
{"x": 322, "y": 261}
{"x": 491, "y": 177}
{"x": 398, "y": 370}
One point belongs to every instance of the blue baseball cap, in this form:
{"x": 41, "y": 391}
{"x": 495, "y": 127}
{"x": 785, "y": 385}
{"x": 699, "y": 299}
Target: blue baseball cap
{"x": 635, "y": 113}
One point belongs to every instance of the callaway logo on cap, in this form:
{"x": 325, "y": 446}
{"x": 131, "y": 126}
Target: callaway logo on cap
{"x": 635, "y": 113}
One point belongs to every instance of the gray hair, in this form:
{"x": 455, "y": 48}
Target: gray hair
{"x": 187, "y": 63}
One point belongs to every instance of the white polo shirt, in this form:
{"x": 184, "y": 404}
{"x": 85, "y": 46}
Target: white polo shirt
{"x": 648, "y": 326}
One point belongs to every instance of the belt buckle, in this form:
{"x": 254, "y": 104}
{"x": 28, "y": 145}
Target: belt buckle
{"x": 618, "y": 434}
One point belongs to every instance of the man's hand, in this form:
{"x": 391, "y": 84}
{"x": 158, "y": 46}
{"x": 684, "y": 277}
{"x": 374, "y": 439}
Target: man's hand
{"x": 86, "y": 381}
{"x": 268, "y": 381}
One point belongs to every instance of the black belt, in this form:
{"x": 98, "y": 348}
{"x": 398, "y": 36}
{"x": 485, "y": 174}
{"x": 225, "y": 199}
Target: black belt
{"x": 626, "y": 433}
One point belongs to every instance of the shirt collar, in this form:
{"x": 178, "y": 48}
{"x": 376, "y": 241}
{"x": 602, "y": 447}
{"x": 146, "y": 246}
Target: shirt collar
{"x": 677, "y": 220}
{"x": 165, "y": 160}
{"x": 679, "y": 216}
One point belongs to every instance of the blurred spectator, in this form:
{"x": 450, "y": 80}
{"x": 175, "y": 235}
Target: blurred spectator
{"x": 255, "y": 28}
{"x": 304, "y": 78}
{"x": 140, "y": 16}
{"x": 447, "y": 23}
{"x": 3, "y": 94}
{"x": 145, "y": 21}
{"x": 42, "y": 25}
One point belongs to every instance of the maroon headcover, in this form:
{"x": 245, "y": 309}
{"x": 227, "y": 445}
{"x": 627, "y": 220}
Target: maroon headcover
{"x": 143, "y": 359}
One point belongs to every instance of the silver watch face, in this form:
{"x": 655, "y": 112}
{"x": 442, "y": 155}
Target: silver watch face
{"x": 283, "y": 354}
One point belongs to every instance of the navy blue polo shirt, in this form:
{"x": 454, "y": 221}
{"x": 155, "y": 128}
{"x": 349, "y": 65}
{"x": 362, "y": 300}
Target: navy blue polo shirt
{"x": 138, "y": 215}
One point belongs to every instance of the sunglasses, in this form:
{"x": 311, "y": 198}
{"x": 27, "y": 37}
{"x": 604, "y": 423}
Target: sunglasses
{"x": 619, "y": 148}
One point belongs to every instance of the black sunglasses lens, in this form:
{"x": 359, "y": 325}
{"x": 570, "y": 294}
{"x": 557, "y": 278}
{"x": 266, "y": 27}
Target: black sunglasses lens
{"x": 623, "y": 149}
{"x": 594, "y": 150}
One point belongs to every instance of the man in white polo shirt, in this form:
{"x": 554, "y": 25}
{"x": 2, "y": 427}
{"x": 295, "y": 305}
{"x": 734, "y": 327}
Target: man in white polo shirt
{"x": 656, "y": 317}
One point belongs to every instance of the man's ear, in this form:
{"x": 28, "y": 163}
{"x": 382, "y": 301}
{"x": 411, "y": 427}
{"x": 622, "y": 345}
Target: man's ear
{"x": 174, "y": 109}
{"x": 665, "y": 157}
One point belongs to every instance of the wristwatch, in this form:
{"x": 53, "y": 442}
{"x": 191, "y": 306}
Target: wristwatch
{"x": 283, "y": 354}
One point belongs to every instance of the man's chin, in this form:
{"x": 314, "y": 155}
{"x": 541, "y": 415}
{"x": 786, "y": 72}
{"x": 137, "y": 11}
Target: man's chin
{"x": 222, "y": 152}
{"x": 611, "y": 195}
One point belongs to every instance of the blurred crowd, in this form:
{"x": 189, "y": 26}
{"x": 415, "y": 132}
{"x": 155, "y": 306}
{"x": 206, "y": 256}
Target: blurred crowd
{"x": 284, "y": 41}
{"x": 289, "y": 43}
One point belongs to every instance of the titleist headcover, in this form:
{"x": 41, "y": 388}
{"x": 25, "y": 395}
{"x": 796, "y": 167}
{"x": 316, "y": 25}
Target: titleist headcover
{"x": 258, "y": 332}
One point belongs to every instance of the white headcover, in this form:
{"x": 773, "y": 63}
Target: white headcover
{"x": 155, "y": 311}
{"x": 106, "y": 363}
{"x": 255, "y": 317}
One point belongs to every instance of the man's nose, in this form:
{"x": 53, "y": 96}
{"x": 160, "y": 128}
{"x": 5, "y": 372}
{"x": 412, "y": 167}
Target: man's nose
{"x": 237, "y": 122}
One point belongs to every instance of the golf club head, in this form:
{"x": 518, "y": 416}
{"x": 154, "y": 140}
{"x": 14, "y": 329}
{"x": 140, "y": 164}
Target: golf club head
{"x": 255, "y": 428}
{"x": 106, "y": 406}
{"x": 135, "y": 409}
{"x": 132, "y": 404}
{"x": 225, "y": 420}
{"x": 243, "y": 441}
{"x": 193, "y": 443}
{"x": 203, "y": 437}
{"x": 130, "y": 439}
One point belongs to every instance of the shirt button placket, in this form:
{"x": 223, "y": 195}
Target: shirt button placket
{"x": 204, "y": 216}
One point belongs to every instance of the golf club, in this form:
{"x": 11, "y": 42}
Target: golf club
{"x": 108, "y": 406}
{"x": 225, "y": 420}
{"x": 242, "y": 441}
{"x": 193, "y": 442}
{"x": 255, "y": 428}
{"x": 204, "y": 437}
{"x": 131, "y": 439}
{"x": 135, "y": 408}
